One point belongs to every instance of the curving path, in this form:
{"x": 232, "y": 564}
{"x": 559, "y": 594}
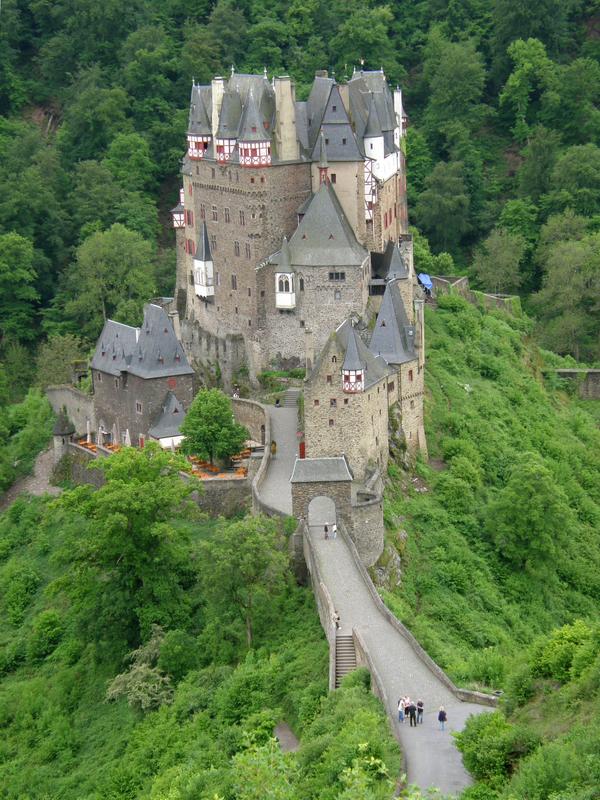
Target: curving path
{"x": 431, "y": 756}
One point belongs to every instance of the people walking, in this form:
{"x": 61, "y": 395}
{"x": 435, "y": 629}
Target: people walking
{"x": 412, "y": 714}
{"x": 273, "y": 448}
{"x": 442, "y": 718}
{"x": 420, "y": 709}
{"x": 326, "y": 531}
{"x": 401, "y": 710}
{"x": 334, "y": 531}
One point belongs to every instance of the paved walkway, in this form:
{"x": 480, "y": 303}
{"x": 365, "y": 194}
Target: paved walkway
{"x": 431, "y": 756}
{"x": 276, "y": 489}
{"x": 288, "y": 741}
{"x": 37, "y": 483}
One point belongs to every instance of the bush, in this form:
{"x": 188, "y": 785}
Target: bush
{"x": 554, "y": 655}
{"x": 46, "y": 633}
{"x": 178, "y": 654}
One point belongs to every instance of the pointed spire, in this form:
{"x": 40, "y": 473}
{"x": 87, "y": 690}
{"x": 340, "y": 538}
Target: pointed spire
{"x": 373, "y": 128}
{"x": 352, "y": 359}
{"x": 286, "y": 256}
{"x": 203, "y": 249}
{"x": 323, "y": 165}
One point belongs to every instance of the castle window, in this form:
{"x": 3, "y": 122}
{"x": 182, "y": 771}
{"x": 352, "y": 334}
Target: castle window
{"x": 236, "y": 310}
{"x": 391, "y": 386}
{"x": 315, "y": 402}
{"x": 337, "y": 276}
{"x": 333, "y": 402}
{"x": 249, "y": 323}
{"x": 337, "y": 295}
{"x": 345, "y": 401}
{"x": 301, "y": 323}
{"x": 254, "y": 129}
{"x": 252, "y": 179}
{"x": 202, "y": 211}
{"x": 301, "y": 284}
{"x": 329, "y": 379}
{"x": 116, "y": 383}
{"x": 248, "y": 251}
{"x": 331, "y": 423}
{"x": 218, "y": 278}
{"x": 334, "y": 108}
{"x": 189, "y": 217}
{"x": 371, "y": 145}
{"x": 249, "y": 292}
{"x": 215, "y": 214}
{"x": 334, "y": 359}
{"x": 138, "y": 407}
{"x": 410, "y": 374}
{"x": 333, "y": 177}
{"x": 236, "y": 248}
{"x": 242, "y": 218}
{"x": 262, "y": 178}
{"x": 212, "y": 173}
{"x": 213, "y": 242}
{"x": 191, "y": 190}
{"x": 326, "y": 141}
{"x": 283, "y": 283}
{"x": 234, "y": 282}
{"x": 99, "y": 377}
{"x": 343, "y": 141}
{"x": 226, "y": 211}
{"x": 412, "y": 403}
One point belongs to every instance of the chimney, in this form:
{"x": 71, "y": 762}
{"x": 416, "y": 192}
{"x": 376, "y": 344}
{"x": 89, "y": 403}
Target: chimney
{"x": 398, "y": 108}
{"x": 218, "y": 87}
{"x": 285, "y": 119}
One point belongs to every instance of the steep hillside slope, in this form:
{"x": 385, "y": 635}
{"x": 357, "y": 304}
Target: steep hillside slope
{"x": 504, "y": 534}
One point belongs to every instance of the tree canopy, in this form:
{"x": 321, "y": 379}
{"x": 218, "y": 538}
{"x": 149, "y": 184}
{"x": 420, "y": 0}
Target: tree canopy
{"x": 210, "y": 429}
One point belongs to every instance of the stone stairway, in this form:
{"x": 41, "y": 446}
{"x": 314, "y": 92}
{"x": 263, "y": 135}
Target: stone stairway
{"x": 290, "y": 398}
{"x": 345, "y": 657}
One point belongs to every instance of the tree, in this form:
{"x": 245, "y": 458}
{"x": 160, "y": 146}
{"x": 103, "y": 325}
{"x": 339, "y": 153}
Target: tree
{"x": 242, "y": 570}
{"x": 365, "y": 32}
{"x": 129, "y": 560}
{"x": 571, "y": 105}
{"x": 497, "y": 260}
{"x": 210, "y": 429}
{"x": 128, "y": 158}
{"x": 540, "y": 156}
{"x": 533, "y": 72}
{"x": 55, "y": 358}
{"x": 18, "y": 295}
{"x": 442, "y": 209}
{"x": 419, "y": 163}
{"x": 455, "y": 74}
{"x": 112, "y": 271}
{"x": 575, "y": 180}
{"x": 529, "y": 519}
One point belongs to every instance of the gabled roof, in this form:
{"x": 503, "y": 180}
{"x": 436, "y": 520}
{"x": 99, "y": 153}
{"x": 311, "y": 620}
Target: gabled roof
{"x": 341, "y": 143}
{"x": 152, "y": 351}
{"x": 203, "y": 248}
{"x": 352, "y": 359}
{"x": 394, "y": 336}
{"x": 168, "y": 420}
{"x": 347, "y": 339}
{"x": 370, "y": 97}
{"x": 324, "y": 237}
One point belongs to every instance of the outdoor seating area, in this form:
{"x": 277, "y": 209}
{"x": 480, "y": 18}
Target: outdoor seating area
{"x": 204, "y": 469}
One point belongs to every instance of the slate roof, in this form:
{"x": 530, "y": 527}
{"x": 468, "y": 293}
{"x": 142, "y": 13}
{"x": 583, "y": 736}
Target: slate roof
{"x": 252, "y": 125}
{"x": 200, "y": 110}
{"x": 152, "y": 351}
{"x": 229, "y": 118}
{"x": 358, "y": 353}
{"x": 394, "y": 336}
{"x": 169, "y": 419}
{"x": 352, "y": 359}
{"x": 390, "y": 264}
{"x": 371, "y": 98}
{"x": 203, "y": 248}
{"x": 373, "y": 126}
{"x": 324, "y": 236}
{"x": 321, "y": 470}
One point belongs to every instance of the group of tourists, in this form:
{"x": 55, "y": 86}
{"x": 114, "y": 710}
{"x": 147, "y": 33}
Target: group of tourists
{"x": 413, "y": 712}
{"x": 330, "y": 531}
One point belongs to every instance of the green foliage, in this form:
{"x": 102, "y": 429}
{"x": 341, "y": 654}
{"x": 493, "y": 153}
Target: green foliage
{"x": 442, "y": 207}
{"x": 56, "y": 357}
{"x": 497, "y": 262}
{"x": 17, "y": 291}
{"x": 553, "y": 656}
{"x": 46, "y": 633}
{"x": 210, "y": 429}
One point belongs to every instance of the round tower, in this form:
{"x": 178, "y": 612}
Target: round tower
{"x": 62, "y": 432}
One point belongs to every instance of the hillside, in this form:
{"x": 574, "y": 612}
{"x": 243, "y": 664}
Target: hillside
{"x": 503, "y": 542}
{"x": 124, "y": 667}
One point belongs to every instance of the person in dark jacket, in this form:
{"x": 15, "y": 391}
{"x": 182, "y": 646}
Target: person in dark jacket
{"x": 412, "y": 714}
{"x": 420, "y": 708}
{"x": 442, "y": 718}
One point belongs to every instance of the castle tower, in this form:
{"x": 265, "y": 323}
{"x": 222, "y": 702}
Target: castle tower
{"x": 61, "y": 434}
{"x": 353, "y": 368}
{"x": 204, "y": 284}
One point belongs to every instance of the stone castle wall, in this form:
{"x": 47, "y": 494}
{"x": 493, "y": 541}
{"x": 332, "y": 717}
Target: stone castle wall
{"x": 80, "y": 406}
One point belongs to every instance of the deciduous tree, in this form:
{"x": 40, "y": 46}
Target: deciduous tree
{"x": 18, "y": 295}
{"x": 443, "y": 206}
{"x": 497, "y": 261}
{"x": 210, "y": 429}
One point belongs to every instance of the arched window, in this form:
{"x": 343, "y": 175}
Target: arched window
{"x": 333, "y": 359}
{"x": 284, "y": 283}
{"x": 301, "y": 284}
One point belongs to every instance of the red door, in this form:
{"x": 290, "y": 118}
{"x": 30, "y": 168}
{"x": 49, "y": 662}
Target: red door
{"x": 302, "y": 449}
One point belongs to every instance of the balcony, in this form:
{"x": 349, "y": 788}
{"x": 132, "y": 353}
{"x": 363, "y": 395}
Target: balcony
{"x": 285, "y": 300}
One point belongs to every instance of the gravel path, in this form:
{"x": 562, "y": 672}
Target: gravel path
{"x": 37, "y": 483}
{"x": 288, "y": 741}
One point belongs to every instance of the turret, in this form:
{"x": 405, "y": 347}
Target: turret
{"x": 62, "y": 433}
{"x": 254, "y": 136}
{"x": 179, "y": 212}
{"x": 199, "y": 134}
{"x": 204, "y": 284}
{"x": 373, "y": 136}
{"x": 353, "y": 369}
{"x": 229, "y": 122}
{"x": 285, "y": 290}
{"x": 323, "y": 165}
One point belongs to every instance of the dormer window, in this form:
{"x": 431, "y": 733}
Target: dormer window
{"x": 283, "y": 283}
{"x": 254, "y": 129}
{"x": 285, "y": 294}
{"x": 353, "y": 381}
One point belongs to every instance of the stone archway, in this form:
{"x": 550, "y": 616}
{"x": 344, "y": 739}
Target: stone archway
{"x": 327, "y": 479}
{"x": 321, "y": 512}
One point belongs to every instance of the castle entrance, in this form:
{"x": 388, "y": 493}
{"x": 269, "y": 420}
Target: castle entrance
{"x": 321, "y": 512}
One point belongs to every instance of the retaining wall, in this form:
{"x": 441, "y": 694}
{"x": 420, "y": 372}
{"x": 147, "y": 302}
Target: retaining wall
{"x": 459, "y": 284}
{"x": 587, "y": 380}
{"x": 80, "y": 406}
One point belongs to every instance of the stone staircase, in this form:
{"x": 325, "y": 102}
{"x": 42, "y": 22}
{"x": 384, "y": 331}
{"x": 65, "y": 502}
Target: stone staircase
{"x": 345, "y": 657}
{"x": 290, "y": 398}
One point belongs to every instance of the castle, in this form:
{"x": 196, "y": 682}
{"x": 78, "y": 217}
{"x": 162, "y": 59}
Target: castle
{"x": 293, "y": 250}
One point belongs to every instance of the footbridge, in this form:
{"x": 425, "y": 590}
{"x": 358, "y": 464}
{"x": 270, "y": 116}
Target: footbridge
{"x": 352, "y": 613}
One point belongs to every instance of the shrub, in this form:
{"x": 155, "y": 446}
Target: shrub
{"x": 46, "y": 633}
{"x": 554, "y": 655}
{"x": 18, "y": 586}
{"x": 178, "y": 654}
